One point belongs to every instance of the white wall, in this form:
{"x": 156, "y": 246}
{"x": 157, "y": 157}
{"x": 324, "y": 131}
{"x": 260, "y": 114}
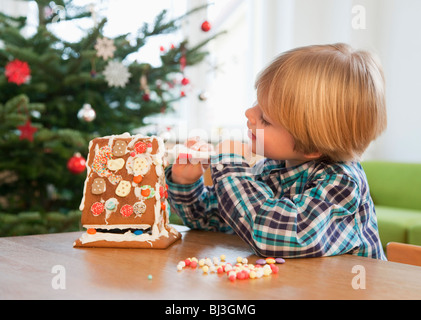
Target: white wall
{"x": 392, "y": 30}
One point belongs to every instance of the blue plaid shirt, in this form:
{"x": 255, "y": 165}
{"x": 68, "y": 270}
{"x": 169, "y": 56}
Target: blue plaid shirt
{"x": 311, "y": 210}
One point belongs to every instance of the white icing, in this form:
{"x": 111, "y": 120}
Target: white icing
{"x": 127, "y": 236}
{"x": 88, "y": 174}
{"x": 159, "y": 170}
{"x": 117, "y": 226}
{"x": 108, "y": 212}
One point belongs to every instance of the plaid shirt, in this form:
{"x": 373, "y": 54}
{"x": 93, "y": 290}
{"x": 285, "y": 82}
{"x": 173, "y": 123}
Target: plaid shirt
{"x": 311, "y": 210}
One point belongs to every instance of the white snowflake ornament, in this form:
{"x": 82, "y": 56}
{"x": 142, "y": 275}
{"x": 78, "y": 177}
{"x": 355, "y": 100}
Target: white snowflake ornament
{"x": 116, "y": 74}
{"x": 105, "y": 48}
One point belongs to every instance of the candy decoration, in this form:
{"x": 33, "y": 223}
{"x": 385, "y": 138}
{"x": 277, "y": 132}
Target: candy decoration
{"x": 115, "y": 165}
{"x": 100, "y": 165}
{"x": 139, "y": 208}
{"x": 141, "y": 166}
{"x": 98, "y": 186}
{"x": 123, "y": 188}
{"x": 138, "y": 232}
{"x": 91, "y": 231}
{"x": 119, "y": 148}
{"x": 111, "y": 204}
{"x": 140, "y": 147}
{"x": 126, "y": 211}
{"x": 146, "y": 192}
{"x": 97, "y": 208}
{"x": 137, "y": 179}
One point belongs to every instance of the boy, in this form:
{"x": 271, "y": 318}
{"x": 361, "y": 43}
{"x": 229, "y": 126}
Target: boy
{"x": 319, "y": 108}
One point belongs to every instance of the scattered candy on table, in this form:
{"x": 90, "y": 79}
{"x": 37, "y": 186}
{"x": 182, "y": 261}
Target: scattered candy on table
{"x": 241, "y": 270}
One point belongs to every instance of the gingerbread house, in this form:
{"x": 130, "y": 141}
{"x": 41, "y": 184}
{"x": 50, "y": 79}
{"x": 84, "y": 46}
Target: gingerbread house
{"x": 125, "y": 195}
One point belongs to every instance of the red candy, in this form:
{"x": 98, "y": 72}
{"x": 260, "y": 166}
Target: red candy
{"x": 97, "y": 208}
{"x": 126, "y": 211}
{"x": 140, "y": 147}
{"x": 275, "y": 269}
{"x": 241, "y": 275}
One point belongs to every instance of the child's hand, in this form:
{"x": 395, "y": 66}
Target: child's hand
{"x": 187, "y": 170}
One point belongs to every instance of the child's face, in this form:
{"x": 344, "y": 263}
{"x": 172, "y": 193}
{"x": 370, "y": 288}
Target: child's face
{"x": 271, "y": 140}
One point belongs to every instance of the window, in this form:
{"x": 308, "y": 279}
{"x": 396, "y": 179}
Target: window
{"x": 222, "y": 87}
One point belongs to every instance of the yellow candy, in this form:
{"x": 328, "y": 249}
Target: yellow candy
{"x": 205, "y": 269}
{"x": 239, "y": 259}
{"x": 270, "y": 260}
{"x": 252, "y": 274}
{"x": 222, "y": 257}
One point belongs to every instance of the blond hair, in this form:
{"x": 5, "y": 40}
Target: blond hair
{"x": 330, "y": 98}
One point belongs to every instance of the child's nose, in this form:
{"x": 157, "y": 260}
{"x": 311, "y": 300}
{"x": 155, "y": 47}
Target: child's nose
{"x": 250, "y": 116}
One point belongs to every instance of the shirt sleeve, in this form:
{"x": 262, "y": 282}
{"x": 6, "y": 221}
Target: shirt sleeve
{"x": 316, "y": 221}
{"x": 196, "y": 205}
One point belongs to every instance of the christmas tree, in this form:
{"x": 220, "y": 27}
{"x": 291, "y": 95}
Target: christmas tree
{"x": 55, "y": 96}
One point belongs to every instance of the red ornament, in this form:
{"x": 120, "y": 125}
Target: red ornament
{"x": 27, "y": 131}
{"x": 17, "y": 71}
{"x": 185, "y": 81}
{"x": 206, "y": 26}
{"x": 146, "y": 97}
{"x": 183, "y": 62}
{"x": 76, "y": 164}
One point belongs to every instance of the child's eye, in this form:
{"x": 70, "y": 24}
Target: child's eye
{"x": 264, "y": 122}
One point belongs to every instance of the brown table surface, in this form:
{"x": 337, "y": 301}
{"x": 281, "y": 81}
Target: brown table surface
{"x": 26, "y": 265}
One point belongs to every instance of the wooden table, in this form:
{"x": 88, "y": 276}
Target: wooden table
{"x": 31, "y": 267}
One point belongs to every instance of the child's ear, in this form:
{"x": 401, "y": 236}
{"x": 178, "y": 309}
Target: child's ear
{"x": 313, "y": 155}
